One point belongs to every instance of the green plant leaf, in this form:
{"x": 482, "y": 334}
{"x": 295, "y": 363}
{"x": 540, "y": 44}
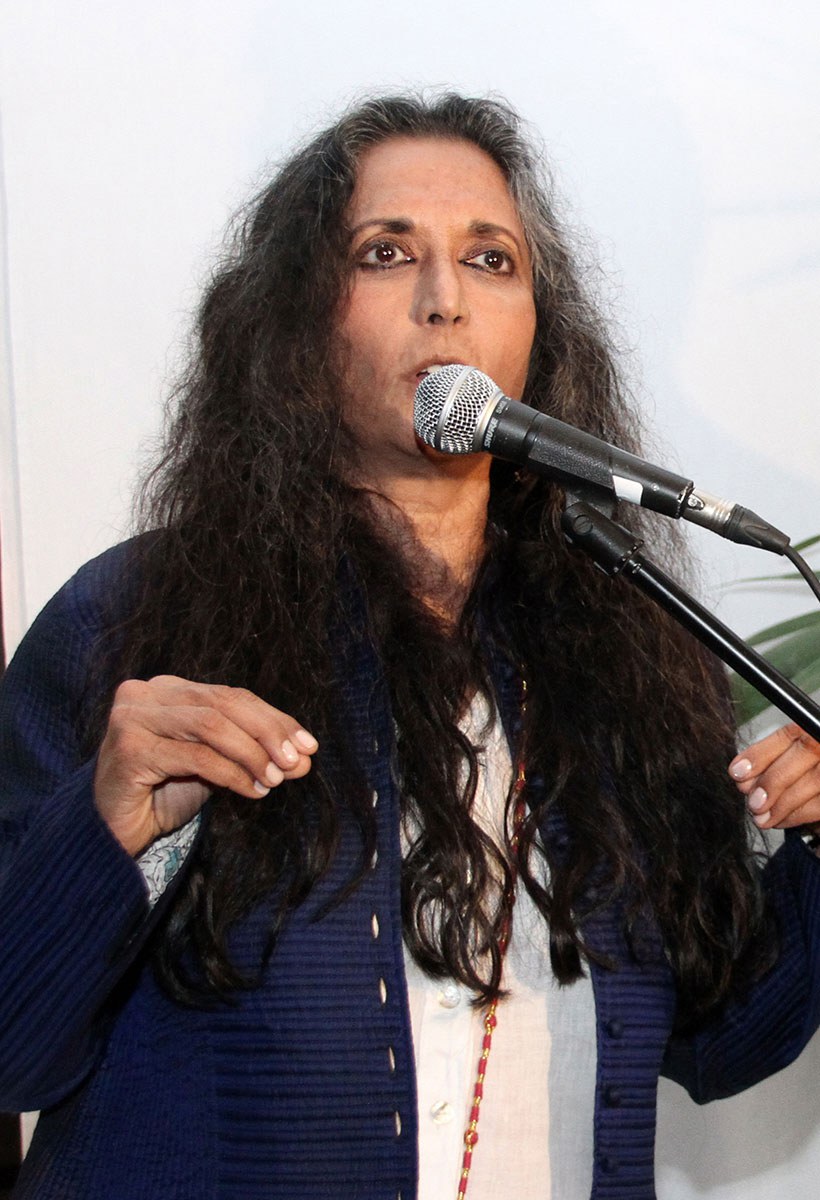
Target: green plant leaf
{"x": 790, "y": 576}
{"x": 795, "y": 653}
{"x": 808, "y": 679}
{"x": 747, "y": 700}
{"x": 809, "y": 620}
{"x": 794, "y": 648}
{"x": 797, "y": 656}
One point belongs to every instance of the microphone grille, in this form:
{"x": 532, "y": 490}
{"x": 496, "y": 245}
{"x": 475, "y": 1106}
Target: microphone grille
{"x": 448, "y": 407}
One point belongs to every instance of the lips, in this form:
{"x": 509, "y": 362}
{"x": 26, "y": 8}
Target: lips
{"x": 431, "y": 368}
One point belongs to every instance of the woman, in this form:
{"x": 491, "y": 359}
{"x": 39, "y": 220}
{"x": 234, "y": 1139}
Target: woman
{"x": 257, "y": 900}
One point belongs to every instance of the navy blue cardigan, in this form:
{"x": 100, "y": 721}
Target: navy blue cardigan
{"x": 304, "y": 1089}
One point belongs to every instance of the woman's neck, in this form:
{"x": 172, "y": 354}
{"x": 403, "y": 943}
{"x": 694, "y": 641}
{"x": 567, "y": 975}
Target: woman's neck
{"x": 442, "y": 536}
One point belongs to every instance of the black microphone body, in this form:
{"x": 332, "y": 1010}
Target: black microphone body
{"x": 460, "y": 410}
{"x": 521, "y": 435}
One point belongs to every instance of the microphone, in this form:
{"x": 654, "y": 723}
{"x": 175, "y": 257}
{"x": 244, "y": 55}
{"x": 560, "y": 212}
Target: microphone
{"x": 459, "y": 410}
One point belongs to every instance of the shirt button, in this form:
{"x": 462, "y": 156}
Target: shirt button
{"x": 442, "y": 1112}
{"x": 449, "y": 997}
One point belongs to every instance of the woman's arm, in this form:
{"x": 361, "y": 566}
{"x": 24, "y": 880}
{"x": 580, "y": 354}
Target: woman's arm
{"x": 72, "y": 901}
{"x": 760, "y": 1033}
{"x": 74, "y": 910}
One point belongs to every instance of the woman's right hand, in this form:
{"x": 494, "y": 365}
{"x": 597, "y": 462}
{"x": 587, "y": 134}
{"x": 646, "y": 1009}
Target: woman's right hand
{"x": 170, "y": 742}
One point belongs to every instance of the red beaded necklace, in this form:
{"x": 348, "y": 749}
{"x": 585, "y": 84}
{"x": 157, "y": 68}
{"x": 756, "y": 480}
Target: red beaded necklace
{"x": 490, "y": 1019}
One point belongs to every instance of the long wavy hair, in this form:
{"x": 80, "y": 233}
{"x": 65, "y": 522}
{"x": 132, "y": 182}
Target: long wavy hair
{"x": 255, "y": 525}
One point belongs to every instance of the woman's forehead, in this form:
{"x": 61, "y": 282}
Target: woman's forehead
{"x": 404, "y": 177}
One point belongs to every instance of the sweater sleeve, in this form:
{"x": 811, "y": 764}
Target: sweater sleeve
{"x": 74, "y": 907}
{"x": 763, "y": 1031}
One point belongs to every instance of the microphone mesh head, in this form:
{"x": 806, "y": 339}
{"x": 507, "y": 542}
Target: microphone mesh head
{"x": 448, "y": 407}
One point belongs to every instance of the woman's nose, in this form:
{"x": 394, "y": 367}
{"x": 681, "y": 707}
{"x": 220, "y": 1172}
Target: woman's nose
{"x": 439, "y": 297}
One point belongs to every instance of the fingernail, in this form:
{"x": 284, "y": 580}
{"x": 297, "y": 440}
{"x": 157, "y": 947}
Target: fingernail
{"x": 757, "y": 799}
{"x": 289, "y": 751}
{"x": 273, "y": 774}
{"x": 306, "y": 740}
{"x": 740, "y": 769}
{"x": 261, "y": 789}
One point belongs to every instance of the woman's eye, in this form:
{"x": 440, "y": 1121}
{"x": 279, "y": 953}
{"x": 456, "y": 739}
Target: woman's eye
{"x": 498, "y": 262}
{"x": 384, "y": 254}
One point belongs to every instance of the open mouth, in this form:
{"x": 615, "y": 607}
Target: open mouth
{"x": 425, "y": 371}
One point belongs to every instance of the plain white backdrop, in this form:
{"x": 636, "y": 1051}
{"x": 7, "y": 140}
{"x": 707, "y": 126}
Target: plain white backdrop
{"x": 685, "y": 140}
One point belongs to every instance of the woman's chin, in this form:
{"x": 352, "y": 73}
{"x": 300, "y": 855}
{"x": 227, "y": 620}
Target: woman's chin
{"x": 459, "y": 464}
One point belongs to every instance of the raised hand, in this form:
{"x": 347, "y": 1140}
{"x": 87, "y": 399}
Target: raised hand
{"x": 170, "y": 742}
{"x": 780, "y": 778}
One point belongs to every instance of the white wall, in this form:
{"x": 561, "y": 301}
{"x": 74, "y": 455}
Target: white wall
{"x": 685, "y": 137}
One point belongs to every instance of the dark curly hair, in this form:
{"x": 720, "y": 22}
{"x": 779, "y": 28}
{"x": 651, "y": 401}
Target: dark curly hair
{"x": 626, "y": 721}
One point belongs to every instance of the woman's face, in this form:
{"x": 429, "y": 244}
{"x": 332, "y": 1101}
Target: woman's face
{"x": 441, "y": 273}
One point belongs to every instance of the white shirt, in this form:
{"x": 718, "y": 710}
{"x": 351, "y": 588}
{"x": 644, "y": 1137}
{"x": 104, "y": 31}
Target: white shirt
{"x": 536, "y": 1119}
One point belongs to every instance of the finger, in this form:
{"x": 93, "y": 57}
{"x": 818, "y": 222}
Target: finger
{"x": 287, "y": 743}
{"x": 747, "y": 767}
{"x": 172, "y": 759}
{"x": 138, "y": 729}
{"x": 808, "y": 814}
{"x": 801, "y": 757}
{"x": 796, "y": 803}
{"x": 145, "y": 760}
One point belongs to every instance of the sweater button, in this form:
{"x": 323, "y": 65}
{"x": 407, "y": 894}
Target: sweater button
{"x": 449, "y": 996}
{"x": 614, "y": 1028}
{"x": 613, "y": 1097}
{"x": 609, "y": 1164}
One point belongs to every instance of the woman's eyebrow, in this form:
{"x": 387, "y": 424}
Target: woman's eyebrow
{"x": 388, "y": 224}
{"x": 406, "y": 225}
{"x": 490, "y": 229}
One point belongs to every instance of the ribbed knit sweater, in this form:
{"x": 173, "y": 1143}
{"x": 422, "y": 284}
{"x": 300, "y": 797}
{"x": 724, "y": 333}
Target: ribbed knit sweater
{"x": 304, "y": 1088}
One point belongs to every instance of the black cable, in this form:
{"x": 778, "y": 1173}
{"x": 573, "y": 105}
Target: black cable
{"x": 805, "y": 570}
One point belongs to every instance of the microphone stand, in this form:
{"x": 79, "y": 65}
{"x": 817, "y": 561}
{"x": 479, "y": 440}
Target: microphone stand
{"x": 617, "y": 552}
